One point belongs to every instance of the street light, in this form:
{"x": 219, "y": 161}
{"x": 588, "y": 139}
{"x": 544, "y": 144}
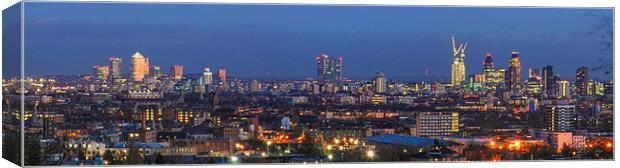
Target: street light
{"x": 370, "y": 154}
{"x": 330, "y": 157}
{"x": 234, "y": 159}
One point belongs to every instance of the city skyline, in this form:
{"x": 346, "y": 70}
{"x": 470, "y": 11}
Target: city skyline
{"x": 144, "y": 84}
{"x": 399, "y": 46}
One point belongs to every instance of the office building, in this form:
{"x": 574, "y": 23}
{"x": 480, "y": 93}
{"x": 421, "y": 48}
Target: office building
{"x": 458, "y": 64}
{"x": 222, "y": 75}
{"x": 581, "y": 82}
{"x": 116, "y": 65}
{"x": 379, "y": 83}
{"x": 177, "y": 72}
{"x": 548, "y": 81}
{"x": 513, "y": 75}
{"x": 560, "y": 117}
{"x": 329, "y": 69}
{"x": 139, "y": 67}
{"x": 207, "y": 76}
{"x": 437, "y": 123}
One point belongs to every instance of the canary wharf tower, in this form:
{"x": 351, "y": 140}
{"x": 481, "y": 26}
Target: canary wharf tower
{"x": 458, "y": 65}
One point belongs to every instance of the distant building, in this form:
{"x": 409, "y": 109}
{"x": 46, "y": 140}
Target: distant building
{"x": 581, "y": 82}
{"x": 299, "y": 100}
{"x": 379, "y": 83}
{"x": 116, "y": 65}
{"x": 492, "y": 77}
{"x": 579, "y": 142}
{"x": 328, "y": 69}
{"x": 534, "y": 73}
{"x": 458, "y": 64}
{"x": 255, "y": 86}
{"x": 177, "y": 72}
{"x": 548, "y": 84}
{"x": 207, "y": 76}
{"x": 513, "y": 75}
{"x": 156, "y": 71}
{"x": 560, "y": 117}
{"x": 100, "y": 73}
{"x": 285, "y": 123}
{"x": 559, "y": 139}
{"x": 144, "y": 95}
{"x": 222, "y": 75}
{"x": 139, "y": 67}
{"x": 564, "y": 90}
{"x": 437, "y": 123}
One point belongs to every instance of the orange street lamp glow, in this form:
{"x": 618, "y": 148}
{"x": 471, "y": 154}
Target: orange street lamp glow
{"x": 370, "y": 154}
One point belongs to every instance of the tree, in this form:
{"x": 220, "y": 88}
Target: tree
{"x": 108, "y": 156}
{"x": 159, "y": 159}
{"x": 542, "y": 151}
{"x": 134, "y": 157}
{"x": 567, "y": 151}
{"x": 81, "y": 153}
{"x": 54, "y": 146}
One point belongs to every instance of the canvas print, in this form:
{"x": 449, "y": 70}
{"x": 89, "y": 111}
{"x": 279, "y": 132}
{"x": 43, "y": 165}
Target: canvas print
{"x": 211, "y": 83}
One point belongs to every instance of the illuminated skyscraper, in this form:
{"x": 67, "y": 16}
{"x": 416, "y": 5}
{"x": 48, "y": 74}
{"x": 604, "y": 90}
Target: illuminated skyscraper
{"x": 513, "y": 75}
{"x": 329, "y": 69}
{"x": 379, "y": 83}
{"x": 208, "y": 76}
{"x": 581, "y": 82}
{"x": 177, "y": 72}
{"x": 555, "y": 82}
{"x": 535, "y": 74}
{"x": 139, "y": 67}
{"x": 221, "y": 73}
{"x": 100, "y": 73}
{"x": 548, "y": 81}
{"x": 156, "y": 71}
{"x": 458, "y": 65}
{"x": 254, "y": 86}
{"x": 564, "y": 89}
{"x": 488, "y": 65}
{"x": 492, "y": 77}
{"x": 117, "y": 66}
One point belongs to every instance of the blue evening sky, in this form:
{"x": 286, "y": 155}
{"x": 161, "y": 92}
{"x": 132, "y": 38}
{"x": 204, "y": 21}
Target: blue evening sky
{"x": 281, "y": 41}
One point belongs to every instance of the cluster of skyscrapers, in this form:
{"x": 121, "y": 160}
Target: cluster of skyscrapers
{"x": 198, "y": 117}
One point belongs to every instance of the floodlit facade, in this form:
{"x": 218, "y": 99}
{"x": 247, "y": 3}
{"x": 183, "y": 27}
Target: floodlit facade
{"x": 139, "y": 67}
{"x": 437, "y": 123}
{"x": 177, "y": 72}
